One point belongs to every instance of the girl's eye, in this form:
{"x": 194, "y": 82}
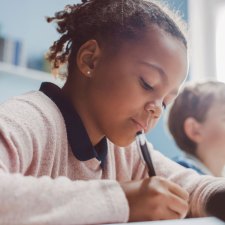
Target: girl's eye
{"x": 164, "y": 105}
{"x": 145, "y": 85}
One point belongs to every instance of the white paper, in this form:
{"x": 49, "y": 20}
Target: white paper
{"x": 195, "y": 221}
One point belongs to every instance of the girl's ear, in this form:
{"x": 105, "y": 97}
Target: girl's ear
{"x": 192, "y": 129}
{"x": 88, "y": 57}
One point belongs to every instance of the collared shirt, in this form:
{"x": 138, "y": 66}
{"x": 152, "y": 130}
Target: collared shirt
{"x": 81, "y": 146}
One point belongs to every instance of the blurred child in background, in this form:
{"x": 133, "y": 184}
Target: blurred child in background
{"x": 197, "y": 123}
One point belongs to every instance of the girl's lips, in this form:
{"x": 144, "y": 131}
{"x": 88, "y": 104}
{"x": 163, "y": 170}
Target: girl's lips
{"x": 139, "y": 125}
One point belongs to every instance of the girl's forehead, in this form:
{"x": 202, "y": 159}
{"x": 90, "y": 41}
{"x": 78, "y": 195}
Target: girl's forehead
{"x": 156, "y": 50}
{"x": 153, "y": 41}
{"x": 163, "y": 50}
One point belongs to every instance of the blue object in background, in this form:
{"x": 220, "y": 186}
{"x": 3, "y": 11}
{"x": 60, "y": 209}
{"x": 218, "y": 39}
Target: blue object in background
{"x": 161, "y": 139}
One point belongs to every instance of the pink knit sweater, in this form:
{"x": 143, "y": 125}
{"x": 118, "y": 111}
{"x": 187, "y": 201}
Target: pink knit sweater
{"x": 41, "y": 182}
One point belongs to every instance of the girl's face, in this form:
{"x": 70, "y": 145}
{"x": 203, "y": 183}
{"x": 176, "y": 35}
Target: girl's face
{"x": 127, "y": 92}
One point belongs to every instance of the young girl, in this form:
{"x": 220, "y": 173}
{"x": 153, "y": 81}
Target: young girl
{"x": 69, "y": 156}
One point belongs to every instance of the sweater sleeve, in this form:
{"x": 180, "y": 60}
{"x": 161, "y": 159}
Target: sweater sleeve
{"x": 44, "y": 200}
{"x": 30, "y": 200}
{"x": 200, "y": 187}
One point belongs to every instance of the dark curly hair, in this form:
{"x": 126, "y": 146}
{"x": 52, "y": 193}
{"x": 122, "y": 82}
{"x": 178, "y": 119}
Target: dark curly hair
{"x": 109, "y": 22}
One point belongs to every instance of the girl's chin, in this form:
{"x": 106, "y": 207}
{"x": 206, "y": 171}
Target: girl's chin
{"x": 122, "y": 142}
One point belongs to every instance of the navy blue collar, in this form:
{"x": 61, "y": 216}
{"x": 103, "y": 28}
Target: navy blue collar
{"x": 77, "y": 135}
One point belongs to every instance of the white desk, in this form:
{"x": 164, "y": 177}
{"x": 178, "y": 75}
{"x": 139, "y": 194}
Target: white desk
{"x": 196, "y": 221}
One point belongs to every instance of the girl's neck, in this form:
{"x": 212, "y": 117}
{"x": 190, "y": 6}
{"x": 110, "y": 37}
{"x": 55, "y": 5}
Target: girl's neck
{"x": 75, "y": 94}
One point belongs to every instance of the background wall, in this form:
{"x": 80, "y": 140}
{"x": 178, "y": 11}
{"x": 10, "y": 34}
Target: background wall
{"x": 25, "y": 20}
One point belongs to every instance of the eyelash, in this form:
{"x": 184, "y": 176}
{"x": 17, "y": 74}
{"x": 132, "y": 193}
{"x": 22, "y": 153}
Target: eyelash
{"x": 148, "y": 87}
{"x": 145, "y": 85}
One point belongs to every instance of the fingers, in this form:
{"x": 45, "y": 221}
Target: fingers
{"x": 177, "y": 199}
{"x": 163, "y": 212}
{"x": 155, "y": 199}
{"x": 160, "y": 182}
{"x": 169, "y": 214}
{"x": 179, "y": 206}
{"x": 178, "y": 191}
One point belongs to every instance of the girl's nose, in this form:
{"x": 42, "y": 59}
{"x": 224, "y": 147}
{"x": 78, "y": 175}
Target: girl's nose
{"x": 154, "y": 108}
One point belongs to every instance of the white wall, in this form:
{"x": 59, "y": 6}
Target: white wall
{"x": 203, "y": 18}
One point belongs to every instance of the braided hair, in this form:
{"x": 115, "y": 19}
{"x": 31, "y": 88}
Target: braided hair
{"x": 109, "y": 22}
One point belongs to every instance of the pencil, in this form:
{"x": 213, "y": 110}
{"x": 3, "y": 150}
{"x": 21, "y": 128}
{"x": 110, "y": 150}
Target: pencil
{"x": 140, "y": 137}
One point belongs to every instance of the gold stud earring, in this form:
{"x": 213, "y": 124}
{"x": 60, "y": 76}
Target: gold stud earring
{"x": 89, "y": 73}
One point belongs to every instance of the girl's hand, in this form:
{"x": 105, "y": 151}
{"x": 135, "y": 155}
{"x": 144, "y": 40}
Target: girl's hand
{"x": 155, "y": 198}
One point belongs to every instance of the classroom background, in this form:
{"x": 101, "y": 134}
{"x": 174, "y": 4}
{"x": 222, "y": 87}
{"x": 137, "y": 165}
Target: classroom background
{"x": 25, "y": 37}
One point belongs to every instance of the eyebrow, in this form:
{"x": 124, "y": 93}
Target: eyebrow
{"x": 157, "y": 68}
